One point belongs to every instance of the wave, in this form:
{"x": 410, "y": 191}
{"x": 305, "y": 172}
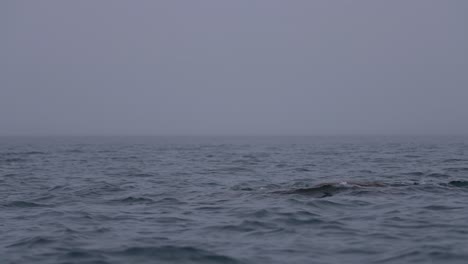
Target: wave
{"x": 176, "y": 254}
{"x": 31, "y": 242}
{"x": 415, "y": 173}
{"x": 132, "y": 200}
{"x": 96, "y": 189}
{"x": 23, "y": 204}
{"x": 22, "y": 153}
{"x": 235, "y": 169}
{"x": 34, "y": 153}
{"x": 142, "y": 175}
{"x": 453, "y": 160}
{"x": 424, "y": 254}
{"x": 170, "y": 201}
{"x": 74, "y": 151}
{"x": 245, "y": 226}
{"x": 14, "y": 160}
{"x": 301, "y": 169}
{"x": 461, "y": 169}
{"x": 299, "y": 218}
{"x": 441, "y": 207}
{"x": 438, "y": 175}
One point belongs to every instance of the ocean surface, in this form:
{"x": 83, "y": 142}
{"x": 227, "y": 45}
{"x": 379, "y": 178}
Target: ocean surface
{"x": 353, "y": 199}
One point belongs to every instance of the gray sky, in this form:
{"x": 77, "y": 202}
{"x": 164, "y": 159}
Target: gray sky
{"x": 233, "y": 67}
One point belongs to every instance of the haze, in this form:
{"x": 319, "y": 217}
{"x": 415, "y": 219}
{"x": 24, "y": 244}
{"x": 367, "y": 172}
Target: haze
{"x": 233, "y": 67}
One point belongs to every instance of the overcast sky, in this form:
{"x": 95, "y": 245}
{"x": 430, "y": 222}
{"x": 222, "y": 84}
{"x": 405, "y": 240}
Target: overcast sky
{"x": 233, "y": 67}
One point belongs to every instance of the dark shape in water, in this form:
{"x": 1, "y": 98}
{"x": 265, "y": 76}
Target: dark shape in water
{"x": 329, "y": 189}
{"x": 320, "y": 191}
{"x": 459, "y": 183}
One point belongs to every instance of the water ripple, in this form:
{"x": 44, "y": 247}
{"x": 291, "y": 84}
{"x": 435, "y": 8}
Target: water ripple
{"x": 211, "y": 200}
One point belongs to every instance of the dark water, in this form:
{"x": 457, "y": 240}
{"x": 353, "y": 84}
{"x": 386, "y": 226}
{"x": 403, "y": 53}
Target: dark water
{"x": 234, "y": 200}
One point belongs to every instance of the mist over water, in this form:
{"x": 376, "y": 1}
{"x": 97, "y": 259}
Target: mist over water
{"x": 233, "y": 200}
{"x": 209, "y": 67}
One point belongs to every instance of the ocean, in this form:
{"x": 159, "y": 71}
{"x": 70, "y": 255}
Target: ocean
{"x": 318, "y": 199}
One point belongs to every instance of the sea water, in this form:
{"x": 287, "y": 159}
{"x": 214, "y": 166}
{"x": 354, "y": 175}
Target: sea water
{"x": 356, "y": 199}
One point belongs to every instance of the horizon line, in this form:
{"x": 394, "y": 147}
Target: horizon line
{"x": 236, "y": 135}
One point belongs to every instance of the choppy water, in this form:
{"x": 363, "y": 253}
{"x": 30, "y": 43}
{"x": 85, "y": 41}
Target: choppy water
{"x": 234, "y": 200}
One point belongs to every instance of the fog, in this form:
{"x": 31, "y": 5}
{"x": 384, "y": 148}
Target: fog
{"x": 239, "y": 67}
